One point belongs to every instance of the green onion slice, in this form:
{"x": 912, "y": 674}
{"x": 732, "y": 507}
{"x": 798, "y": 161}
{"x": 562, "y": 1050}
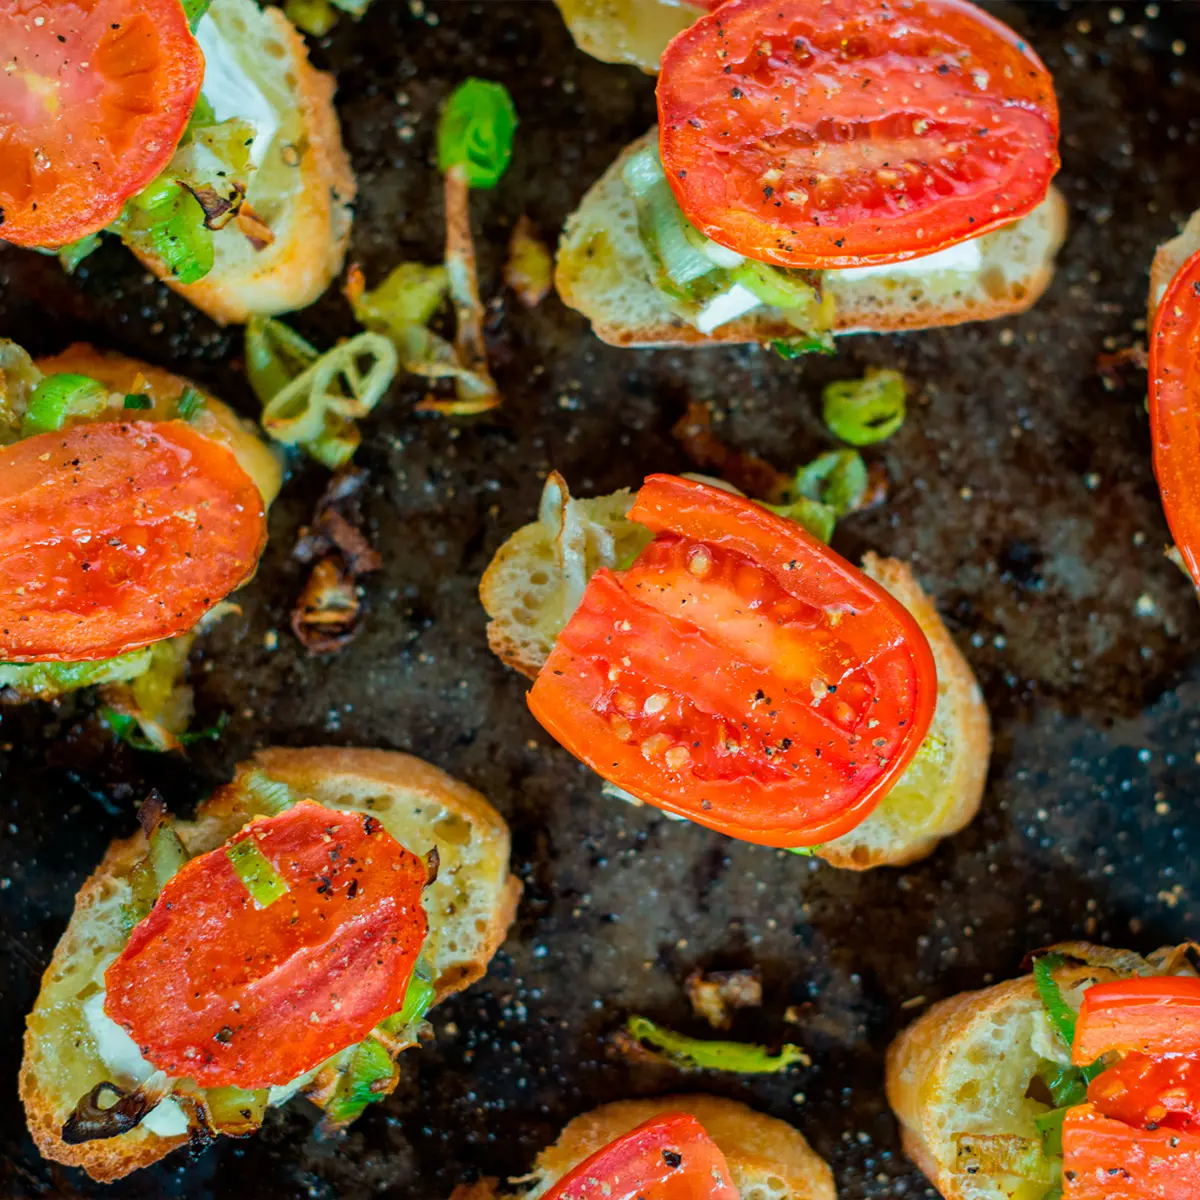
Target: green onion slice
{"x": 797, "y": 347}
{"x": 60, "y": 397}
{"x": 475, "y": 132}
{"x": 189, "y": 404}
{"x": 258, "y": 876}
{"x": 867, "y": 410}
{"x": 194, "y": 10}
{"x": 812, "y": 515}
{"x": 136, "y": 401}
{"x": 72, "y": 254}
{"x": 268, "y": 797}
{"x": 700, "y": 1054}
{"x": 418, "y": 1000}
{"x": 1058, "y": 1011}
{"x": 1050, "y": 1126}
{"x": 838, "y": 478}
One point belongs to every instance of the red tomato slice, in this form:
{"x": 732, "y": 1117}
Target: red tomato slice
{"x": 740, "y": 673}
{"x": 669, "y": 1157}
{"x": 1159, "y": 1015}
{"x": 1109, "y": 1160}
{"x": 94, "y": 97}
{"x": 114, "y": 535}
{"x": 213, "y": 987}
{"x": 1175, "y": 409}
{"x": 1148, "y": 1092}
{"x": 838, "y": 133}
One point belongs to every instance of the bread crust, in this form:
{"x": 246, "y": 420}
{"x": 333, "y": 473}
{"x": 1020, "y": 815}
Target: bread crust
{"x": 755, "y": 1145}
{"x": 382, "y": 772}
{"x": 294, "y": 270}
{"x": 967, "y": 720}
{"x": 852, "y": 311}
{"x": 922, "y": 1056}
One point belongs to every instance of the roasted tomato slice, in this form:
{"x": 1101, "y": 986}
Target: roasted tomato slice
{"x": 1175, "y": 409}
{"x": 740, "y": 673}
{"x": 114, "y": 535}
{"x": 1156, "y": 1015}
{"x": 214, "y": 986}
{"x": 838, "y": 133}
{"x": 670, "y": 1157}
{"x": 1109, "y": 1160}
{"x": 1149, "y": 1092}
{"x": 94, "y": 97}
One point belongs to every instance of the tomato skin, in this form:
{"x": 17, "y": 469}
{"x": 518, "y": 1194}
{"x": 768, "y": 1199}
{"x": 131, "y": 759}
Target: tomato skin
{"x": 99, "y": 94}
{"x": 669, "y": 1157}
{"x": 114, "y": 535}
{"x": 782, "y": 706}
{"x": 1109, "y": 1160}
{"x": 212, "y": 987}
{"x": 839, "y": 133}
{"x": 1155, "y": 1015}
{"x": 1149, "y": 1091}
{"x": 1174, "y": 377}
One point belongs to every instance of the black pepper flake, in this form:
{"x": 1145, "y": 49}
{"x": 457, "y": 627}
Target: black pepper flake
{"x": 672, "y": 1158}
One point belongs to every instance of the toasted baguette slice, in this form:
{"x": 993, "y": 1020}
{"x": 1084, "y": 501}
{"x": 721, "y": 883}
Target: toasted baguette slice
{"x": 627, "y": 31}
{"x": 1169, "y": 257}
{"x": 535, "y": 581}
{"x": 964, "y": 1068}
{"x": 768, "y": 1159}
{"x": 303, "y": 190}
{"x": 603, "y": 270}
{"x": 470, "y": 907}
{"x": 941, "y": 791}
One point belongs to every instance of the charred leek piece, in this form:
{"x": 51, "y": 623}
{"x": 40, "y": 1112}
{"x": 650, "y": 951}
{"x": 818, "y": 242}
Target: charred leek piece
{"x": 256, "y": 872}
{"x": 108, "y": 1110}
{"x": 166, "y": 855}
{"x": 266, "y": 797}
{"x": 236, "y": 1112}
{"x": 702, "y": 1054}
{"x": 372, "y": 1072}
{"x": 1003, "y": 1154}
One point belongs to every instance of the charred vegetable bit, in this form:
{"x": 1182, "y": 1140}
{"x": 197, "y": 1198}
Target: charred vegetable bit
{"x": 867, "y": 410}
{"x": 173, "y": 220}
{"x": 714, "y": 996}
{"x": 165, "y": 856}
{"x": 529, "y": 271}
{"x": 95, "y": 1118}
{"x": 258, "y": 876}
{"x": 746, "y": 472}
{"x": 790, "y": 349}
{"x": 236, "y": 1112}
{"x": 697, "y": 1054}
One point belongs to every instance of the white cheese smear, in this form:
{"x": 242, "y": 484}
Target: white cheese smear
{"x": 230, "y": 89}
{"x": 964, "y": 256}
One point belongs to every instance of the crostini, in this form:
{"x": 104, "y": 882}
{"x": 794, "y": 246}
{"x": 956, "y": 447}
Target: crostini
{"x": 1079, "y": 1081}
{"x": 362, "y": 887}
{"x": 201, "y": 135}
{"x": 794, "y": 190}
{"x": 131, "y": 504}
{"x": 703, "y": 1147}
{"x": 786, "y": 745}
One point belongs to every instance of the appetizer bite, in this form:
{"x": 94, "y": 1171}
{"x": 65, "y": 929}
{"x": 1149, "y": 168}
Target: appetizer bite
{"x": 701, "y": 1147}
{"x": 825, "y": 168}
{"x": 710, "y": 657}
{"x": 131, "y": 504}
{"x": 1079, "y": 1081}
{"x": 1174, "y": 383}
{"x": 200, "y": 135}
{"x": 288, "y": 940}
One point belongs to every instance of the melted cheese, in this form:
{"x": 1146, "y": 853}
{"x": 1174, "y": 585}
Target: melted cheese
{"x": 726, "y": 307}
{"x": 230, "y": 89}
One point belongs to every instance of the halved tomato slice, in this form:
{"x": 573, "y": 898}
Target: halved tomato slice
{"x": 1150, "y": 1091}
{"x": 221, "y": 987}
{"x": 838, "y": 133}
{"x": 1155, "y": 1015}
{"x": 740, "y": 673}
{"x": 1175, "y": 409}
{"x": 115, "y": 535}
{"x": 94, "y": 97}
{"x": 669, "y": 1157}
{"x": 1109, "y": 1160}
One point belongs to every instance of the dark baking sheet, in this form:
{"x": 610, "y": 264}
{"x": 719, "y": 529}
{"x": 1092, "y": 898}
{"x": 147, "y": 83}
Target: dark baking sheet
{"x": 1020, "y": 486}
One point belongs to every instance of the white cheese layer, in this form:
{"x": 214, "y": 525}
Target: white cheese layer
{"x": 726, "y": 307}
{"x": 964, "y": 256}
{"x": 120, "y": 1054}
{"x": 231, "y": 91}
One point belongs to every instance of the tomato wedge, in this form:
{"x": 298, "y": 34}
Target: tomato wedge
{"x": 1148, "y": 1092}
{"x": 740, "y": 673}
{"x": 669, "y": 1157}
{"x": 1109, "y": 1160}
{"x": 94, "y": 97}
{"x": 1157, "y": 1015}
{"x": 117, "y": 534}
{"x": 1175, "y": 409}
{"x": 215, "y": 987}
{"x": 839, "y": 133}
